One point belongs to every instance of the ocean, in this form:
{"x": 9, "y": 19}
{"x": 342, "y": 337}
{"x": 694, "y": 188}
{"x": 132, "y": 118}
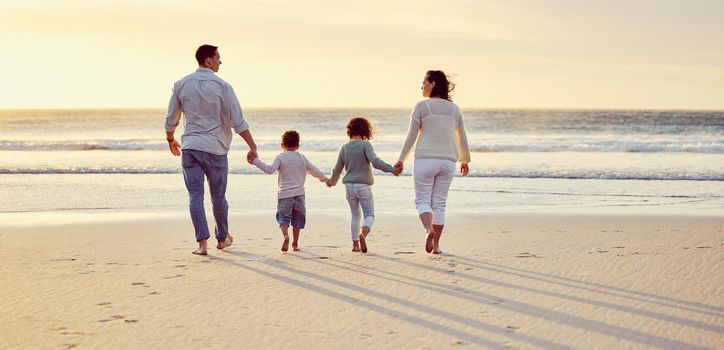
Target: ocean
{"x": 570, "y": 161}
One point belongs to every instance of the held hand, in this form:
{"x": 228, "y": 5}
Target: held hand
{"x": 174, "y": 147}
{"x": 400, "y": 165}
{"x": 397, "y": 171}
{"x": 328, "y": 183}
{"x": 251, "y": 156}
{"x": 464, "y": 169}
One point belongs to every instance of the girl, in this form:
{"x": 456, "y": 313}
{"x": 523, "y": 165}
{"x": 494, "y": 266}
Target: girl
{"x": 355, "y": 157}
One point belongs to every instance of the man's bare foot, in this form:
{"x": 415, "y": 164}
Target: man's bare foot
{"x": 227, "y": 242}
{"x": 355, "y": 246}
{"x": 285, "y": 245}
{"x": 201, "y": 250}
{"x": 295, "y": 247}
{"x": 363, "y": 238}
{"x": 437, "y": 251}
{"x": 429, "y": 243}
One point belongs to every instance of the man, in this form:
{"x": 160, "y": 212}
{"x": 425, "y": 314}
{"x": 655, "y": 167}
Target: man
{"x": 211, "y": 110}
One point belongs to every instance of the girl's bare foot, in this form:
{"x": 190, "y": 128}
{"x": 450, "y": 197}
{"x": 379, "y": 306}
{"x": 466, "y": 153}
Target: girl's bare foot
{"x": 285, "y": 245}
{"x": 429, "y": 243}
{"x": 363, "y": 238}
{"x": 355, "y": 246}
{"x": 227, "y": 242}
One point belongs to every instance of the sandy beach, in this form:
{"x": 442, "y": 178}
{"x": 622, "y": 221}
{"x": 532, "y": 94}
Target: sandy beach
{"x": 504, "y": 281}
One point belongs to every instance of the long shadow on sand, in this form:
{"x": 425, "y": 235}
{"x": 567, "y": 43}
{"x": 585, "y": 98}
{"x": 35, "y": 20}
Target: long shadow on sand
{"x": 594, "y": 287}
{"x": 528, "y": 309}
{"x": 434, "y": 313}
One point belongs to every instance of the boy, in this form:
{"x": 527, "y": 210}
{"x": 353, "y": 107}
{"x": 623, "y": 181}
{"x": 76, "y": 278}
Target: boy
{"x": 293, "y": 168}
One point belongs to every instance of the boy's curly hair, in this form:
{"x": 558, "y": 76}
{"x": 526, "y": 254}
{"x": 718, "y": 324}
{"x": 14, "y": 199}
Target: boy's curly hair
{"x": 290, "y": 139}
{"x": 359, "y": 126}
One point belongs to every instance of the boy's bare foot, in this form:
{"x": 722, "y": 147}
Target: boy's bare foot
{"x": 363, "y": 238}
{"x": 201, "y": 250}
{"x": 355, "y": 246}
{"x": 429, "y": 243}
{"x": 285, "y": 245}
{"x": 227, "y": 242}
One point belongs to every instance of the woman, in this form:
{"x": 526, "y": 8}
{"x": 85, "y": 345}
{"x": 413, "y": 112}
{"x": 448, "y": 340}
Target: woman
{"x": 436, "y": 124}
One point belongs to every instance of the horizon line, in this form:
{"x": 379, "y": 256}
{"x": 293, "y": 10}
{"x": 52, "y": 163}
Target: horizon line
{"x": 380, "y": 108}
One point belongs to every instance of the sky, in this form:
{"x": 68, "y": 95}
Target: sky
{"x": 635, "y": 54}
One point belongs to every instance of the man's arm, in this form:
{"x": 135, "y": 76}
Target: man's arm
{"x": 173, "y": 117}
{"x": 246, "y": 135}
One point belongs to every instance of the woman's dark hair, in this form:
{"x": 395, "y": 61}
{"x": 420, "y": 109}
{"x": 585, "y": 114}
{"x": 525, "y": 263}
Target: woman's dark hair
{"x": 443, "y": 86}
{"x": 204, "y": 52}
{"x": 358, "y": 126}
{"x": 290, "y": 139}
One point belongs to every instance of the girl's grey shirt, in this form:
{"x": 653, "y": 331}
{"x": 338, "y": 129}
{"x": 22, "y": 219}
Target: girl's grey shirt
{"x": 211, "y": 110}
{"x": 293, "y": 168}
{"x": 355, "y": 158}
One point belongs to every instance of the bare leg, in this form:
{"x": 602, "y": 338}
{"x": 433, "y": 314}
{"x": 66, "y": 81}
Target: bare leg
{"x": 202, "y": 249}
{"x": 295, "y": 242}
{"x": 426, "y": 220}
{"x": 355, "y": 246}
{"x": 436, "y": 241}
{"x": 285, "y": 232}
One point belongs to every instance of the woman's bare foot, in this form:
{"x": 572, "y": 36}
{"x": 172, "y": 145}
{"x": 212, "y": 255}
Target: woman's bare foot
{"x": 355, "y": 246}
{"x": 201, "y": 250}
{"x": 363, "y": 239}
{"x": 285, "y": 245}
{"x": 227, "y": 242}
{"x": 429, "y": 243}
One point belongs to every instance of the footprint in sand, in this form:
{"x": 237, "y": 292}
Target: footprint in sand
{"x": 511, "y": 329}
{"x": 104, "y": 303}
{"x": 112, "y": 318}
{"x": 176, "y": 276}
{"x": 527, "y": 255}
{"x": 154, "y": 293}
{"x": 130, "y": 321}
{"x": 137, "y": 284}
{"x": 70, "y": 346}
{"x": 365, "y": 336}
{"x": 180, "y": 266}
{"x": 404, "y": 252}
{"x": 457, "y": 342}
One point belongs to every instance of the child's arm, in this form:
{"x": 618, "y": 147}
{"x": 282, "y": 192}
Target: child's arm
{"x": 337, "y": 168}
{"x": 269, "y": 169}
{"x": 313, "y": 170}
{"x": 376, "y": 162}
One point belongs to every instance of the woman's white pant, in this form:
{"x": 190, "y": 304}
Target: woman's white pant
{"x": 432, "y": 182}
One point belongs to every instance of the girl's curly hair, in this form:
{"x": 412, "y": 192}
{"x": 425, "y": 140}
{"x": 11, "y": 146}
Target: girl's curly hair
{"x": 359, "y": 126}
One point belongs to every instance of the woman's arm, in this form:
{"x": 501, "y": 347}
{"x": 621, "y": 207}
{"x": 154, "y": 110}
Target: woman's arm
{"x": 412, "y": 133}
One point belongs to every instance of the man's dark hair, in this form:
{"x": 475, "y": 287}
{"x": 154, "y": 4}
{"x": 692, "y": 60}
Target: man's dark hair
{"x": 204, "y": 52}
{"x": 290, "y": 139}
